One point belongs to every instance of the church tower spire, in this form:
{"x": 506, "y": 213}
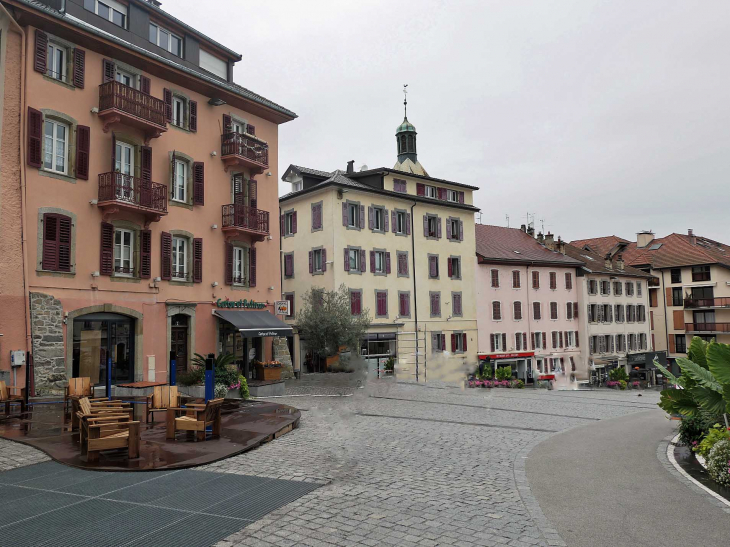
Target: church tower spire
{"x": 405, "y": 138}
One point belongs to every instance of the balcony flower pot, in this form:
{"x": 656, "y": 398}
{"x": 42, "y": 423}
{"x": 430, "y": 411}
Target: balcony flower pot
{"x": 269, "y": 371}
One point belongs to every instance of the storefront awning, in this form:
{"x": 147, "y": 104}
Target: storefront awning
{"x": 252, "y": 324}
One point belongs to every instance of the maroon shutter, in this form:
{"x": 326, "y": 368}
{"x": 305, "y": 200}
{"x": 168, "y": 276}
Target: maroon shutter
{"x": 251, "y": 129}
{"x": 146, "y": 176}
{"x": 198, "y": 183}
{"x": 370, "y": 218}
{"x": 420, "y": 189}
{"x": 425, "y": 225}
{"x": 253, "y": 193}
{"x": 461, "y": 230}
{"x": 504, "y": 342}
{"x": 451, "y": 267}
{"x": 64, "y": 243}
{"x": 544, "y": 340}
{"x": 408, "y": 224}
{"x": 35, "y": 134}
{"x": 50, "y": 242}
{"x": 448, "y": 229}
{"x": 372, "y": 261}
{"x": 533, "y": 340}
{"x": 109, "y": 71}
{"x": 575, "y": 310}
{"x": 145, "y": 85}
{"x": 83, "y": 143}
{"x": 461, "y": 197}
{"x": 41, "y": 51}
{"x": 193, "y": 125}
{"x": 294, "y": 222}
{"x": 166, "y": 256}
{"x": 79, "y": 68}
{"x": 198, "y": 260}
{"x": 491, "y": 342}
{"x": 453, "y": 342}
{"x": 167, "y": 98}
{"x": 229, "y": 264}
{"x": 362, "y": 216}
{"x": 227, "y": 124}
{"x": 463, "y": 342}
{"x": 252, "y": 268}
{"x": 311, "y": 265}
{"x": 344, "y": 214}
{"x": 324, "y": 260}
{"x": 145, "y": 255}
{"x": 387, "y": 263}
{"x": 577, "y": 343}
{"x": 106, "y": 266}
{"x": 362, "y": 260}
{"x": 347, "y": 259}
{"x": 282, "y": 218}
{"x": 560, "y": 334}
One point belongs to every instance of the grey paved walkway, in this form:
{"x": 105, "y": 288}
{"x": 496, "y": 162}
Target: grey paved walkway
{"x": 602, "y": 485}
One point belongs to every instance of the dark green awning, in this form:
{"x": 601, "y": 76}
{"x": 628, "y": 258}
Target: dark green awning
{"x": 255, "y": 323}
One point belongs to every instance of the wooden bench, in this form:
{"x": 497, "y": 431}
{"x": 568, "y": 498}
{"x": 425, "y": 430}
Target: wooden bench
{"x": 107, "y": 433}
{"x": 196, "y": 419}
{"x": 162, "y": 398}
{"x": 7, "y": 397}
{"x": 87, "y": 407}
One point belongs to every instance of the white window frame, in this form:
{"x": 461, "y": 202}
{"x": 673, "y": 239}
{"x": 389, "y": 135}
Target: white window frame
{"x": 113, "y": 6}
{"x": 570, "y": 339}
{"x": 121, "y": 247}
{"x": 452, "y": 195}
{"x": 455, "y": 267}
{"x": 121, "y": 148}
{"x": 378, "y": 219}
{"x": 380, "y": 262}
{"x": 53, "y": 50}
{"x": 178, "y": 118}
{"x": 459, "y": 342}
{"x": 353, "y": 215}
{"x": 289, "y": 223}
{"x": 178, "y": 244}
{"x": 170, "y": 35}
{"x": 317, "y": 260}
{"x": 297, "y": 186}
{"x": 119, "y": 74}
{"x": 177, "y": 184}
{"x": 54, "y": 146}
{"x": 354, "y": 253}
{"x": 538, "y": 340}
{"x": 455, "y": 223}
{"x": 435, "y": 233}
{"x": 400, "y": 220}
{"x": 239, "y": 266}
{"x": 498, "y": 342}
{"x": 430, "y": 191}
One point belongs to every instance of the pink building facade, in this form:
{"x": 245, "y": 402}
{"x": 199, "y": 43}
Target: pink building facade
{"x": 147, "y": 180}
{"x": 527, "y": 305}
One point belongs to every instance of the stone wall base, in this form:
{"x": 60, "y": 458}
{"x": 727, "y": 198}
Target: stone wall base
{"x": 49, "y": 357}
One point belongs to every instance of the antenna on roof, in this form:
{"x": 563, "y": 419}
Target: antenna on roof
{"x": 507, "y": 217}
{"x": 542, "y": 225}
{"x": 405, "y": 101}
{"x": 480, "y": 217}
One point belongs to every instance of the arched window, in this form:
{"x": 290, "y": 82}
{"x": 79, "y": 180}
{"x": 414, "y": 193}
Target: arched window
{"x": 402, "y": 149}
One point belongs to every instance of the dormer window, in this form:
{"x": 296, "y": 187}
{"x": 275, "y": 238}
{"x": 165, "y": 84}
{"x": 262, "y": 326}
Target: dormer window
{"x": 165, "y": 39}
{"x": 297, "y": 186}
{"x": 452, "y": 195}
{"x": 430, "y": 191}
{"x": 108, "y": 9}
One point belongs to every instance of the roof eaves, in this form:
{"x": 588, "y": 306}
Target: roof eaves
{"x": 390, "y": 170}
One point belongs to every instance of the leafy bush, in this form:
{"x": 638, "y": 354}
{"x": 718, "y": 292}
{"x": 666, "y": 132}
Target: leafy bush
{"x": 193, "y": 377}
{"x": 716, "y": 434}
{"x": 693, "y": 428}
{"x": 517, "y": 384}
{"x": 220, "y": 390}
{"x": 718, "y": 463}
{"x": 226, "y": 376}
{"x": 618, "y": 374}
{"x": 504, "y": 373}
{"x": 389, "y": 364}
{"x": 622, "y": 384}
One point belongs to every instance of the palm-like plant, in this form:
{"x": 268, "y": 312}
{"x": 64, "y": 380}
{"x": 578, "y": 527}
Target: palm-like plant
{"x": 221, "y": 360}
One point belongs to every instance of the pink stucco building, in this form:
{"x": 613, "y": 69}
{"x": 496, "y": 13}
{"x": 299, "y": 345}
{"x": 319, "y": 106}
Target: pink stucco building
{"x": 138, "y": 182}
{"x": 527, "y": 303}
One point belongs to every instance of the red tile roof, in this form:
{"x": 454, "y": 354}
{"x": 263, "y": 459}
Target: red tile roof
{"x": 600, "y": 245}
{"x": 596, "y": 263}
{"x": 498, "y": 244}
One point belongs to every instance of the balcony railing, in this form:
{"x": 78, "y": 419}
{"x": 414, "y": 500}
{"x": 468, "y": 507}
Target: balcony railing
{"x": 133, "y": 191}
{"x": 244, "y": 149}
{"x": 720, "y": 302}
{"x": 122, "y": 99}
{"x": 654, "y": 282}
{"x": 707, "y": 327}
{"x": 237, "y": 215}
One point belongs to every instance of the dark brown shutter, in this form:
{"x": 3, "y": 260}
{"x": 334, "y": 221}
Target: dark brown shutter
{"x": 193, "y": 125}
{"x": 311, "y": 262}
{"x": 252, "y": 268}
{"x": 35, "y": 134}
{"x": 227, "y": 124}
{"x": 106, "y": 266}
{"x": 229, "y": 264}
{"x": 544, "y": 340}
{"x": 166, "y": 256}
{"x": 145, "y": 255}
{"x": 41, "y": 51}
{"x": 109, "y": 70}
{"x": 145, "y": 85}
{"x": 491, "y": 342}
{"x": 198, "y": 260}
{"x": 453, "y": 342}
{"x": 420, "y": 189}
{"x": 50, "y": 242}
{"x": 253, "y": 193}
{"x": 347, "y": 259}
{"x": 504, "y": 342}
{"x": 64, "y": 243}
{"x": 251, "y": 129}
{"x": 294, "y": 222}
{"x": 198, "y": 183}
{"x": 79, "y": 68}
{"x": 83, "y": 144}
{"x": 167, "y": 98}
{"x": 577, "y": 342}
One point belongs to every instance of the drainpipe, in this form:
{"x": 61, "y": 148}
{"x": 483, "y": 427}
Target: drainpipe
{"x": 666, "y": 324}
{"x": 415, "y": 291}
{"x": 529, "y": 323}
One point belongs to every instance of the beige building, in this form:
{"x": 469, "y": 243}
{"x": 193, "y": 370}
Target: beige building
{"x": 403, "y": 244}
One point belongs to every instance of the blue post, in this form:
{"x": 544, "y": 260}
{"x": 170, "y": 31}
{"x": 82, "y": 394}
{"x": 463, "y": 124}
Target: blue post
{"x": 109, "y": 378}
{"x": 209, "y": 377}
{"x": 173, "y": 368}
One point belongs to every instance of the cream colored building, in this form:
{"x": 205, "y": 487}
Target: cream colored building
{"x": 403, "y": 244}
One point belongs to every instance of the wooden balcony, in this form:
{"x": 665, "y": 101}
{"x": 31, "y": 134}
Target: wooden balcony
{"x": 707, "y": 328}
{"x": 239, "y": 219}
{"x": 245, "y": 151}
{"x": 119, "y": 192}
{"x": 121, "y": 104}
{"x": 706, "y": 303}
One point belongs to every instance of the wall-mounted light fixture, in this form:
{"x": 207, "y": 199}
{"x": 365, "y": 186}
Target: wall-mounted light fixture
{"x": 216, "y": 101}
{"x": 95, "y": 274}
{"x": 214, "y": 284}
{"x": 269, "y": 174}
{"x": 93, "y": 202}
{"x": 214, "y": 154}
{"x": 214, "y": 227}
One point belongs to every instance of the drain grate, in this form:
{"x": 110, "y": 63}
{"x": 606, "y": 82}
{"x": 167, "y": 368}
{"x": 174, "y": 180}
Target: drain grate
{"x": 48, "y": 504}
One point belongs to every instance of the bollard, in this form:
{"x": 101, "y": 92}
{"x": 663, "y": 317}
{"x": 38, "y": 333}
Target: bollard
{"x": 209, "y": 376}
{"x": 173, "y": 368}
{"x": 109, "y": 378}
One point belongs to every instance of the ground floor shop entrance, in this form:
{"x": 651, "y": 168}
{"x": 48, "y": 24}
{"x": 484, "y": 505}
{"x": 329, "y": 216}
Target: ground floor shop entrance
{"x": 179, "y": 333}
{"x": 377, "y": 349}
{"x": 98, "y": 338}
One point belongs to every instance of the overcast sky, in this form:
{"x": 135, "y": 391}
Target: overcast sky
{"x": 600, "y": 117}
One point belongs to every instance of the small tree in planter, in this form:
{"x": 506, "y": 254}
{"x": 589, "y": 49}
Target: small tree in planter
{"x": 327, "y": 323}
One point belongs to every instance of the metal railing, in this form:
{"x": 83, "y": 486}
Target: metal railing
{"x": 707, "y": 327}
{"x": 250, "y": 148}
{"x": 133, "y": 190}
{"x": 719, "y": 302}
{"x": 116, "y": 95}
{"x": 242, "y": 216}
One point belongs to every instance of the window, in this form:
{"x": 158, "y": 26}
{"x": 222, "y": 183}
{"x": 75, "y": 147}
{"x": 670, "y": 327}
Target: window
{"x": 430, "y": 191}
{"x": 459, "y": 342}
{"x": 553, "y": 310}
{"x": 516, "y": 279}
{"x": 289, "y": 265}
{"x": 700, "y": 273}
{"x": 404, "y": 304}
{"x": 517, "y": 310}
{"x": 455, "y": 230}
{"x": 108, "y": 9}
{"x": 620, "y": 318}
{"x": 592, "y": 286}
{"x": 676, "y": 277}
{"x": 630, "y": 313}
{"x": 290, "y": 223}
{"x": 496, "y": 311}
{"x": 56, "y": 146}
{"x": 535, "y": 280}
{"x": 379, "y": 262}
{"x": 179, "y": 183}
{"x": 353, "y": 215}
{"x": 680, "y": 343}
{"x": 438, "y": 341}
{"x": 402, "y": 257}
{"x": 178, "y": 111}
{"x": 618, "y": 288}
{"x": 355, "y": 302}
{"x": 677, "y": 296}
{"x": 495, "y": 279}
{"x": 166, "y": 39}
{"x": 435, "y": 300}
{"x": 211, "y": 63}
{"x": 354, "y": 257}
{"x": 400, "y": 223}
{"x": 569, "y": 310}
{"x": 124, "y": 158}
{"x": 605, "y": 288}
{"x": 641, "y": 313}
{"x": 317, "y": 261}
{"x": 378, "y": 219}
{"x": 569, "y": 339}
{"x": 456, "y": 309}
{"x": 536, "y": 311}
{"x": 498, "y": 341}
{"x": 638, "y": 288}
{"x": 455, "y": 267}
{"x": 381, "y": 303}
{"x": 124, "y": 252}
{"x": 239, "y": 266}
{"x": 568, "y": 281}
{"x": 452, "y": 195}
{"x": 553, "y": 281}
{"x": 629, "y": 288}
{"x": 56, "y": 62}
{"x": 57, "y": 243}
{"x": 125, "y": 78}
{"x": 317, "y": 216}
{"x": 179, "y": 255}
{"x": 539, "y": 341}
{"x": 433, "y": 266}
{"x": 432, "y": 228}
{"x": 399, "y": 185}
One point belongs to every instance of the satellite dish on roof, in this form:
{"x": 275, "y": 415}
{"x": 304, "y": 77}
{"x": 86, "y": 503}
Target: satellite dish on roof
{"x": 364, "y": 167}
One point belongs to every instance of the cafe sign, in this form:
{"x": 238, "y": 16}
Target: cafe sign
{"x": 244, "y": 303}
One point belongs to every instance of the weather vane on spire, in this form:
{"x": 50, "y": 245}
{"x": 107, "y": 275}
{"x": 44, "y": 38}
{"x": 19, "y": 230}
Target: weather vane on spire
{"x": 405, "y": 100}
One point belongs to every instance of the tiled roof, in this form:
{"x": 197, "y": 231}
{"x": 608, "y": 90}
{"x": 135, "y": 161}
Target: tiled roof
{"x": 339, "y": 178}
{"x": 600, "y": 245}
{"x": 595, "y": 263}
{"x": 499, "y": 244}
{"x": 310, "y": 171}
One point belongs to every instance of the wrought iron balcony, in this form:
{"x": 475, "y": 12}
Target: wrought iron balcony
{"x": 244, "y": 150}
{"x": 118, "y": 191}
{"x": 653, "y": 282}
{"x": 697, "y": 303}
{"x": 711, "y": 328}
{"x": 242, "y": 219}
{"x": 119, "y": 103}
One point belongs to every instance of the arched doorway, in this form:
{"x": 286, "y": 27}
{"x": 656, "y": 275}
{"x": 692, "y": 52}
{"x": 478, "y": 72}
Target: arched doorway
{"x": 98, "y": 338}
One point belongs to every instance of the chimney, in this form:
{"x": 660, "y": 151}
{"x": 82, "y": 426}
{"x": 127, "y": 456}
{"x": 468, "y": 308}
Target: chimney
{"x": 350, "y": 166}
{"x": 692, "y": 238}
{"x": 531, "y": 231}
{"x": 644, "y": 239}
{"x": 607, "y": 262}
{"x": 540, "y": 237}
{"x": 523, "y": 228}
{"x": 549, "y": 241}
{"x": 620, "y": 262}
{"x": 561, "y": 245}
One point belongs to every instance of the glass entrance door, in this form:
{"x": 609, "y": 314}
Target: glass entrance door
{"x": 99, "y": 337}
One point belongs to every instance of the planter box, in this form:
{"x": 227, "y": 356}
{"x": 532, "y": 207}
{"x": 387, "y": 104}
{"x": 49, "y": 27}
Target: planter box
{"x": 268, "y": 374}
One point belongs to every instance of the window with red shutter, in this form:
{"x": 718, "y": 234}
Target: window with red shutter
{"x": 197, "y": 260}
{"x": 145, "y": 255}
{"x": 495, "y": 279}
{"x": 35, "y": 134}
{"x": 515, "y": 279}
{"x": 252, "y": 267}
{"x": 568, "y": 280}
{"x": 517, "y": 310}
{"x": 83, "y": 144}
{"x": 198, "y": 183}
{"x": 553, "y": 310}
{"x": 41, "y": 51}
{"x": 536, "y": 311}
{"x": 79, "y": 68}
{"x": 166, "y": 255}
{"x": 553, "y": 281}
{"x": 535, "y": 280}
{"x": 193, "y": 106}
{"x": 106, "y": 257}
{"x": 56, "y": 252}
{"x": 497, "y": 311}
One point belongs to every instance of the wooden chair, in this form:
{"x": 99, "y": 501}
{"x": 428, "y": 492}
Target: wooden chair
{"x": 107, "y": 433}
{"x": 7, "y": 397}
{"x": 197, "y": 418}
{"x": 162, "y": 398}
{"x": 85, "y": 407}
{"x": 77, "y": 388}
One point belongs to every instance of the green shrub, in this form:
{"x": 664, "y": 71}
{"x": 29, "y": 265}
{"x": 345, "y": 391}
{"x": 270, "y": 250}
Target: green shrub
{"x": 504, "y": 373}
{"x": 693, "y": 428}
{"x": 226, "y": 376}
{"x": 715, "y": 435}
{"x": 718, "y": 463}
{"x": 518, "y": 384}
{"x": 220, "y": 390}
{"x": 389, "y": 364}
{"x": 622, "y": 384}
{"x": 243, "y": 390}
{"x": 193, "y": 377}
{"x": 619, "y": 374}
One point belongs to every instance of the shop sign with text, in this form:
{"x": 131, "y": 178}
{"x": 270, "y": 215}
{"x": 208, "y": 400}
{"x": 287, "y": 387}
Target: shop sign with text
{"x": 247, "y": 304}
